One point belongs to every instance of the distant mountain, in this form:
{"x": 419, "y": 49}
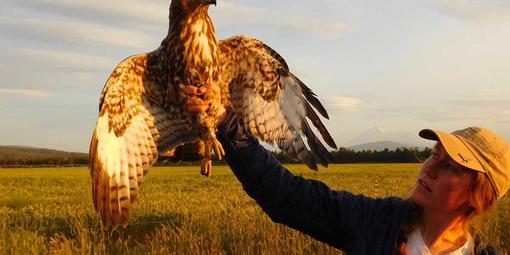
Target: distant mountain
{"x": 380, "y": 146}
{"x": 16, "y": 152}
{"x": 378, "y": 136}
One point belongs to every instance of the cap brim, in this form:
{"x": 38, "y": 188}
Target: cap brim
{"x": 456, "y": 148}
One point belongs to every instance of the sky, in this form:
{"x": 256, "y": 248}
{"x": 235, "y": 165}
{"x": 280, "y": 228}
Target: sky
{"x": 401, "y": 65}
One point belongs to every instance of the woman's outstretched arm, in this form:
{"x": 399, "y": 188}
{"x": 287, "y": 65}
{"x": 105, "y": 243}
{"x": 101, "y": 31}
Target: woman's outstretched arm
{"x": 337, "y": 218}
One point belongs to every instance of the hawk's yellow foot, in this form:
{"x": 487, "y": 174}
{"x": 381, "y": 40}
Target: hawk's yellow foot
{"x": 218, "y": 148}
{"x": 211, "y": 144}
{"x": 205, "y": 167}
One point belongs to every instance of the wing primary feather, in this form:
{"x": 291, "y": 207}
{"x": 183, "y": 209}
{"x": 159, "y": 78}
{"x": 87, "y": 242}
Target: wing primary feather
{"x": 321, "y": 154}
{"x": 123, "y": 190}
{"x": 311, "y": 97}
{"x": 302, "y": 152}
{"x": 310, "y": 113}
{"x": 106, "y": 211}
{"x": 144, "y": 154}
{"x": 296, "y": 150}
{"x": 133, "y": 176}
{"x": 286, "y": 145}
{"x": 114, "y": 205}
{"x": 114, "y": 186}
{"x": 94, "y": 170}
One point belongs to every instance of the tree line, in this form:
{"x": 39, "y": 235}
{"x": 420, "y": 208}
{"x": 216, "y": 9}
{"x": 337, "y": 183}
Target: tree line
{"x": 28, "y": 156}
{"x": 52, "y": 161}
{"x": 342, "y": 155}
{"x": 399, "y": 155}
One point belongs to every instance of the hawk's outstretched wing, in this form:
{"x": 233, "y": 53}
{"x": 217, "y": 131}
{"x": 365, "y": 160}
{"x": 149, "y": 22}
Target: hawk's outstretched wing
{"x": 272, "y": 103}
{"x": 130, "y": 130}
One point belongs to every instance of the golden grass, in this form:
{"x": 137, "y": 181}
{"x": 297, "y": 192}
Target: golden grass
{"x": 50, "y": 211}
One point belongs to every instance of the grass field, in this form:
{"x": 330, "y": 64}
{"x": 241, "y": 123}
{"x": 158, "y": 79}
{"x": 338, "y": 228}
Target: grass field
{"x": 50, "y": 211}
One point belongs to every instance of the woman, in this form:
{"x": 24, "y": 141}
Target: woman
{"x": 466, "y": 173}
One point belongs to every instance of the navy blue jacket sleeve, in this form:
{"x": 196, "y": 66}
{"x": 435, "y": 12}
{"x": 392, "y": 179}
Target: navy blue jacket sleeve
{"x": 339, "y": 218}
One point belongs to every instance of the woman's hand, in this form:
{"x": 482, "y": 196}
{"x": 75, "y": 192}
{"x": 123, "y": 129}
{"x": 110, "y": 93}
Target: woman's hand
{"x": 196, "y": 105}
{"x": 228, "y": 123}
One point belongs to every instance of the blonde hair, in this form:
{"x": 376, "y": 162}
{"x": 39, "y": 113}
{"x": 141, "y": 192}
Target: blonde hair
{"x": 481, "y": 195}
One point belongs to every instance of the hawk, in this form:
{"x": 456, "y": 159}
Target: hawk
{"x": 142, "y": 112}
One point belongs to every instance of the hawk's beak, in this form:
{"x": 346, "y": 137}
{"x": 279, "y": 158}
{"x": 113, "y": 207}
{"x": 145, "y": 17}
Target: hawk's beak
{"x": 209, "y": 2}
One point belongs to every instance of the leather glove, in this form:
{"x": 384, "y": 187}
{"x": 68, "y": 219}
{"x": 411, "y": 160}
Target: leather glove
{"x": 231, "y": 129}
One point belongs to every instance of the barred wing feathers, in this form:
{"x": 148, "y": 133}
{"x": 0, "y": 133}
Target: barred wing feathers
{"x": 272, "y": 103}
{"x": 130, "y": 131}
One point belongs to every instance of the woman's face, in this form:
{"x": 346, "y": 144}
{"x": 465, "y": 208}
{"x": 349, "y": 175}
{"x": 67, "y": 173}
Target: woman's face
{"x": 443, "y": 185}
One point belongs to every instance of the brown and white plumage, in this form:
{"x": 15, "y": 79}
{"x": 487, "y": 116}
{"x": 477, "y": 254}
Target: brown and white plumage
{"x": 272, "y": 103}
{"x": 131, "y": 129}
{"x": 142, "y": 114}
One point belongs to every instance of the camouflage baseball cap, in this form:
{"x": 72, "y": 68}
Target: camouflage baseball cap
{"x": 478, "y": 149}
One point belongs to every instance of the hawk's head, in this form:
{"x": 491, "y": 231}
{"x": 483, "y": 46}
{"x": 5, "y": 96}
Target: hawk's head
{"x": 190, "y": 6}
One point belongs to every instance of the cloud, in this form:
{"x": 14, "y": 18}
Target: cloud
{"x": 143, "y": 16}
{"x": 229, "y": 12}
{"x": 315, "y": 27}
{"x": 235, "y": 11}
{"x": 480, "y": 100}
{"x": 74, "y": 32}
{"x": 483, "y": 108}
{"x": 343, "y": 104}
{"x": 38, "y": 58}
{"x": 475, "y": 9}
{"x": 118, "y": 11}
{"x": 155, "y": 14}
{"x": 23, "y": 93}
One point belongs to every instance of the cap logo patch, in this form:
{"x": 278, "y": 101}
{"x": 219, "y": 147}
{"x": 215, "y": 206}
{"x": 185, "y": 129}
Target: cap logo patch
{"x": 464, "y": 159}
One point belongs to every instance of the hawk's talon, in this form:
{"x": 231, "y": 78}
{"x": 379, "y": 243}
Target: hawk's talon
{"x": 205, "y": 167}
{"x": 218, "y": 148}
{"x": 211, "y": 143}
